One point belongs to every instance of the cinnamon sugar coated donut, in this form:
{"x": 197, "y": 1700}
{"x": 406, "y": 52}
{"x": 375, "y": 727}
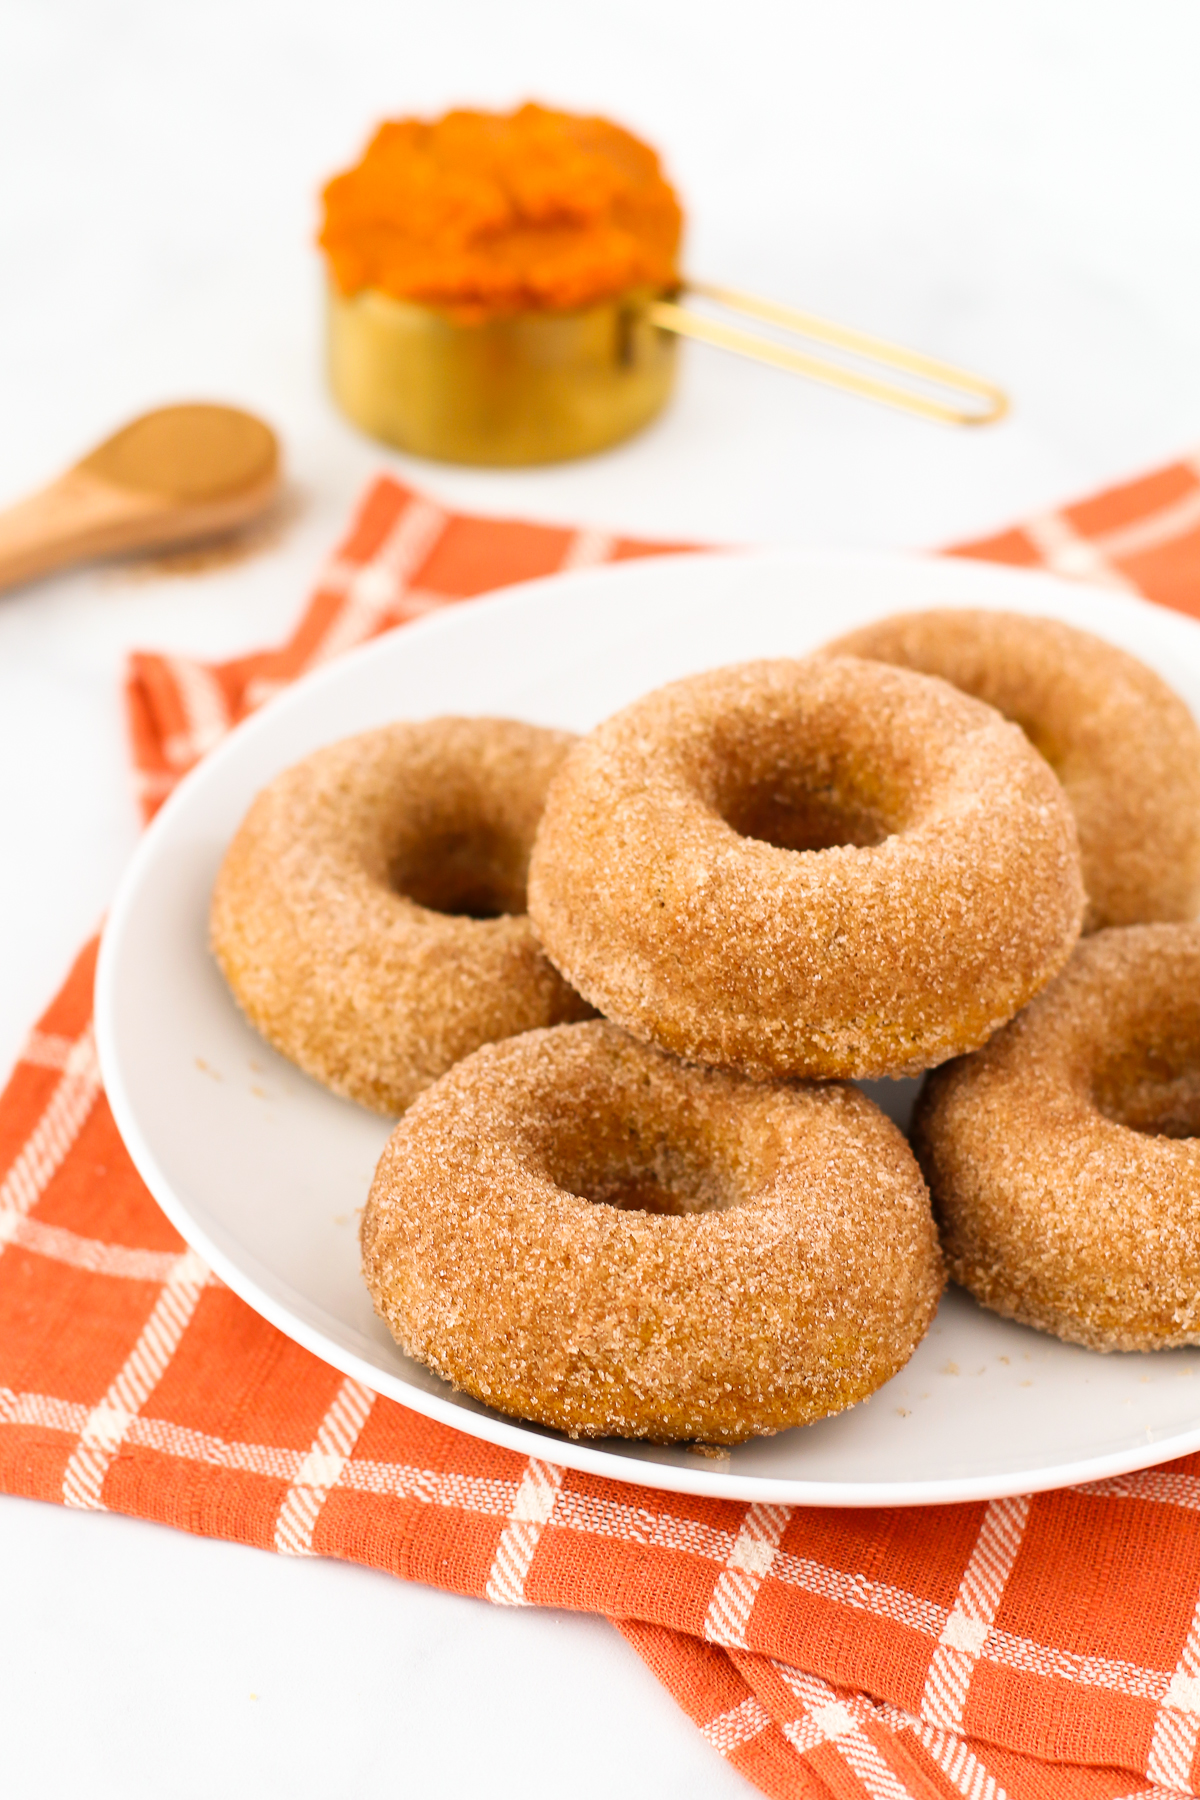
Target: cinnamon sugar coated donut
{"x": 1064, "y": 1157}
{"x": 825, "y": 867}
{"x": 582, "y": 1231}
{"x": 370, "y": 913}
{"x": 1124, "y": 745}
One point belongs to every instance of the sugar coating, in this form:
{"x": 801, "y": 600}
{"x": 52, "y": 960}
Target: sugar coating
{"x": 314, "y": 923}
{"x": 949, "y": 895}
{"x": 1123, "y": 744}
{"x": 1064, "y": 1157}
{"x": 578, "y": 1229}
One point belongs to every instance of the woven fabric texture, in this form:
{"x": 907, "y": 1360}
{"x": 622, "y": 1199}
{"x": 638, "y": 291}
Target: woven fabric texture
{"x": 1031, "y": 1647}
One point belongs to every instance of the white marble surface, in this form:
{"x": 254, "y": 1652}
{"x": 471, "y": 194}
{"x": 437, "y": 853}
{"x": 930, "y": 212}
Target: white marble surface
{"x": 1011, "y": 186}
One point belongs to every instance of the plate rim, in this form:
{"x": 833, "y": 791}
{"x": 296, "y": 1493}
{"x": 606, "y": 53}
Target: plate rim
{"x": 706, "y": 1479}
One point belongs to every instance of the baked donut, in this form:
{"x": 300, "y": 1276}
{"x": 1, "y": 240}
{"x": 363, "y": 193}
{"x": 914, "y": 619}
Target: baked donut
{"x": 1124, "y": 745}
{"x": 583, "y": 1231}
{"x": 825, "y": 868}
{"x": 1064, "y": 1157}
{"x": 370, "y": 913}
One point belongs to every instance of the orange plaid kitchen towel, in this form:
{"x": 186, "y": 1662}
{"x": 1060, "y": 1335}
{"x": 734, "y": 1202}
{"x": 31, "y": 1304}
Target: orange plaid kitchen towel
{"x": 1031, "y": 1647}
{"x": 404, "y": 556}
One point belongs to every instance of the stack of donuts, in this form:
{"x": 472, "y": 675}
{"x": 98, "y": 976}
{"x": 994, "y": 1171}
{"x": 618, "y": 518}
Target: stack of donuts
{"x": 620, "y": 989}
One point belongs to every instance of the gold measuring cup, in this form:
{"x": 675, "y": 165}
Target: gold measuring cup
{"x": 541, "y": 387}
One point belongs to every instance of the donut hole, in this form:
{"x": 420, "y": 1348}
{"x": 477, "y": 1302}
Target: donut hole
{"x": 1045, "y": 741}
{"x": 799, "y": 778}
{"x": 795, "y": 818}
{"x": 1153, "y": 1088}
{"x": 620, "y": 1165}
{"x": 640, "y": 1190}
{"x": 472, "y": 870}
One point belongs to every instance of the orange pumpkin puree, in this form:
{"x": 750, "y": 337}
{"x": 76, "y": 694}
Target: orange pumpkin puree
{"x": 482, "y": 214}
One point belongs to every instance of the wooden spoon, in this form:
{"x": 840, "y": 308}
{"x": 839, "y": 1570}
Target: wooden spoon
{"x": 169, "y": 477}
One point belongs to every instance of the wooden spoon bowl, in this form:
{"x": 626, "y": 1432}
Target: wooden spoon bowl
{"x": 174, "y": 476}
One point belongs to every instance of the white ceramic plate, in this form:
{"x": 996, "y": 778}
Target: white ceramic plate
{"x": 264, "y": 1172}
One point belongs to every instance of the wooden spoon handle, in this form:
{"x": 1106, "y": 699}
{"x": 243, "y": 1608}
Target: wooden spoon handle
{"x": 77, "y": 516}
{"x": 81, "y": 516}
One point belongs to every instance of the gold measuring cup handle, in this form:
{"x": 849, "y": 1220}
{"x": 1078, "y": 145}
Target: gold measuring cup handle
{"x": 537, "y": 387}
{"x": 987, "y": 402}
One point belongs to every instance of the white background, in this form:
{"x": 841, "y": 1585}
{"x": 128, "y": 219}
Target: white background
{"x": 1010, "y": 185}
